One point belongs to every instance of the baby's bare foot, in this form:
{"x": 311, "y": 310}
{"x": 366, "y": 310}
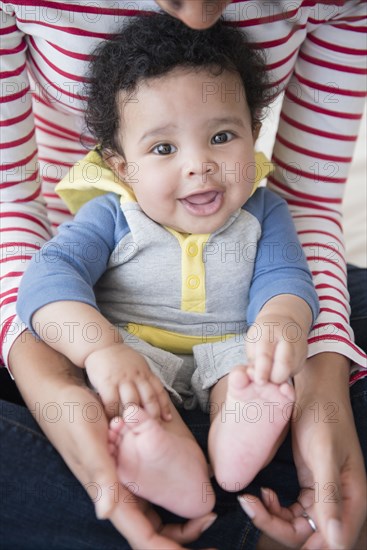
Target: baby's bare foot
{"x": 160, "y": 466}
{"x": 246, "y": 432}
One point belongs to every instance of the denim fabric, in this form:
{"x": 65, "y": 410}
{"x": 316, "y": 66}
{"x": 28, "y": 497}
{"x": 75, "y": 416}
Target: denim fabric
{"x": 357, "y": 286}
{"x": 44, "y": 507}
{"x": 358, "y": 396}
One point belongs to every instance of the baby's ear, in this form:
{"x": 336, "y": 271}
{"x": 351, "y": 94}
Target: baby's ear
{"x": 116, "y": 162}
{"x": 256, "y": 130}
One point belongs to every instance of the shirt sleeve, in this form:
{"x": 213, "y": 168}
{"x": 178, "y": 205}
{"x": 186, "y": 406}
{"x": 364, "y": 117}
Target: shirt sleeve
{"x": 319, "y": 124}
{"x": 24, "y": 222}
{"x": 280, "y": 264}
{"x": 70, "y": 264}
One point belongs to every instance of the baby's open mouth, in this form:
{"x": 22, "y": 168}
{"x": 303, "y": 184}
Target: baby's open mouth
{"x": 203, "y": 204}
{"x": 202, "y": 198}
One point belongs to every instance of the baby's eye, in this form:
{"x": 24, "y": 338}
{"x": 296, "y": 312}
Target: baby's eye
{"x": 222, "y": 137}
{"x": 164, "y": 149}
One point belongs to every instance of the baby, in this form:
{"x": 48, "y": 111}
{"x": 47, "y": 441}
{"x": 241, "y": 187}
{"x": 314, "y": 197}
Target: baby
{"x": 179, "y": 283}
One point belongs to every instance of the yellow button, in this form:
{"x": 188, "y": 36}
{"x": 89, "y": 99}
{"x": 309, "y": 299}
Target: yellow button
{"x": 192, "y": 250}
{"x": 193, "y": 282}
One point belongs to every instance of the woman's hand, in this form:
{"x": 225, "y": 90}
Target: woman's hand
{"x": 329, "y": 465}
{"x": 44, "y": 376}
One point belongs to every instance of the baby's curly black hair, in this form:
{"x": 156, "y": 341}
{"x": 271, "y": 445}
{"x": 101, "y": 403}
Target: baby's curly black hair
{"x": 152, "y": 45}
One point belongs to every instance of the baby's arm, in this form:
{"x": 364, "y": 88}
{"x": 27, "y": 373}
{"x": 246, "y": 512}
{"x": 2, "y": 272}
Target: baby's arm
{"x": 57, "y": 301}
{"x": 118, "y": 373}
{"x": 283, "y": 303}
{"x": 276, "y": 343}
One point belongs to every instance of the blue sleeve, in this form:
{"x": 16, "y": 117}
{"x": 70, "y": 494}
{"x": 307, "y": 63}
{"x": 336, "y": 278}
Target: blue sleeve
{"x": 280, "y": 265}
{"x": 69, "y": 265}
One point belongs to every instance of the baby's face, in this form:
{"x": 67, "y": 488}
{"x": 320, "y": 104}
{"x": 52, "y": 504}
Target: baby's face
{"x": 189, "y": 149}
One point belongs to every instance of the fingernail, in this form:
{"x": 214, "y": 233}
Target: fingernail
{"x": 334, "y": 534}
{"x": 103, "y": 508}
{"x": 265, "y": 493}
{"x": 208, "y": 523}
{"x": 101, "y": 514}
{"x": 246, "y": 506}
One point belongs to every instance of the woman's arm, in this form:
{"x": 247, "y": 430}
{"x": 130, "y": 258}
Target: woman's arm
{"x": 47, "y": 377}
{"x": 318, "y": 127}
{"x": 24, "y": 222}
{"x": 319, "y": 122}
{"x": 327, "y": 451}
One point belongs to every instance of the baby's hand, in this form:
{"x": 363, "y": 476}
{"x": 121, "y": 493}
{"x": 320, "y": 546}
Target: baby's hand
{"x": 122, "y": 376}
{"x": 276, "y": 349}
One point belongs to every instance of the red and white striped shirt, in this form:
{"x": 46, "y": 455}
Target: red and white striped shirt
{"x": 316, "y": 52}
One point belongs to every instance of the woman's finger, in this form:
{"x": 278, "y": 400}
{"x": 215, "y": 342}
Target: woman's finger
{"x": 292, "y": 532}
{"x": 189, "y": 531}
{"x": 341, "y": 507}
{"x": 272, "y": 504}
{"x": 98, "y": 476}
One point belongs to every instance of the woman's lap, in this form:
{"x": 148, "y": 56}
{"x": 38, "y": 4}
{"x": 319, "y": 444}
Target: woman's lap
{"x": 45, "y": 507}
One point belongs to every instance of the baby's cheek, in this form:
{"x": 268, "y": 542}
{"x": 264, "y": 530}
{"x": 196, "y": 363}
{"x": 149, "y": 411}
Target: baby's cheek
{"x": 249, "y": 172}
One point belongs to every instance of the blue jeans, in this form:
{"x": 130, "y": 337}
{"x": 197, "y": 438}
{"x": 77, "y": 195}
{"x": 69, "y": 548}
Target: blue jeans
{"x": 44, "y": 507}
